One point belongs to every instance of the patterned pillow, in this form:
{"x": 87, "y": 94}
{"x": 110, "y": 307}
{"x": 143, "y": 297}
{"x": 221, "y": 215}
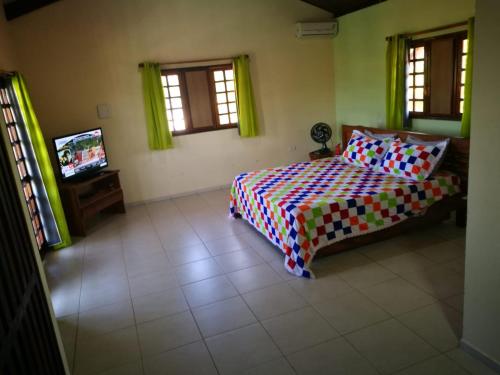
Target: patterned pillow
{"x": 365, "y": 151}
{"x": 414, "y": 162}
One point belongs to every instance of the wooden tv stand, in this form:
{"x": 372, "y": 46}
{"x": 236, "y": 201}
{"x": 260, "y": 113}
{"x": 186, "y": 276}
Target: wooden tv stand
{"x": 84, "y": 199}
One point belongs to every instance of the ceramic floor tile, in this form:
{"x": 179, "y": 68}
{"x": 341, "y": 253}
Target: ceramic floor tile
{"x": 384, "y": 250}
{"x": 437, "y": 324}
{"x": 238, "y": 260}
{"x": 299, "y": 329}
{"x": 317, "y": 290}
{"x": 93, "y": 355}
{"x": 134, "y": 368}
{"x": 438, "y": 281}
{"x": 226, "y": 244}
{"x": 469, "y": 363}
{"x": 147, "y": 265}
{"x": 92, "y": 281}
{"x": 134, "y": 255}
{"x": 405, "y": 263}
{"x": 273, "y": 300}
{"x": 351, "y": 312}
{"x": 278, "y": 265}
{"x": 397, "y": 296}
{"x": 105, "y": 319}
{"x": 191, "y": 359}
{"x": 156, "y": 254}
{"x": 152, "y": 283}
{"x": 196, "y": 271}
{"x": 366, "y": 275}
{"x": 440, "y": 365}
{"x": 335, "y": 357}
{"x": 216, "y": 227}
{"x": 457, "y": 265}
{"x": 176, "y": 239}
{"x": 274, "y": 367}
{"x": 242, "y": 349}
{"x": 390, "y": 346}
{"x": 209, "y": 291}
{"x": 157, "y": 305}
{"x": 457, "y": 302}
{"x": 65, "y": 299}
{"x": 68, "y": 328}
{"x": 104, "y": 294}
{"x": 223, "y": 316}
{"x": 255, "y": 277}
{"x": 261, "y": 245}
{"x": 418, "y": 239}
{"x": 145, "y": 242}
{"x": 345, "y": 260}
{"x": 442, "y": 251}
{"x": 188, "y": 254}
{"x": 162, "y": 334}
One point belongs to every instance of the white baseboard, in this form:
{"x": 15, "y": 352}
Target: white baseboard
{"x": 178, "y": 195}
{"x": 479, "y": 355}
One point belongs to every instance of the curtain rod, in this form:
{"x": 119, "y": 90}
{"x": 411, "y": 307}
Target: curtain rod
{"x": 6, "y": 72}
{"x": 141, "y": 65}
{"x": 439, "y": 28}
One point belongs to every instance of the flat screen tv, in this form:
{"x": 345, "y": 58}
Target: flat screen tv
{"x": 80, "y": 155}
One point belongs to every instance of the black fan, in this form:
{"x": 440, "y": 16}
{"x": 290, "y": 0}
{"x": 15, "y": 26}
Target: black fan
{"x": 321, "y": 133}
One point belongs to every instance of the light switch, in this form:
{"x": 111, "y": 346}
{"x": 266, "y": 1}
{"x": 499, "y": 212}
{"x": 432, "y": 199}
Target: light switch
{"x": 103, "y": 111}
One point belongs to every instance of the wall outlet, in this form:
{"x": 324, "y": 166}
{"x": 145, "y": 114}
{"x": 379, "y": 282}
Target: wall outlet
{"x": 292, "y": 148}
{"x": 103, "y": 111}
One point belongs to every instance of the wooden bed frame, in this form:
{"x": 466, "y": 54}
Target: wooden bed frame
{"x": 456, "y": 160}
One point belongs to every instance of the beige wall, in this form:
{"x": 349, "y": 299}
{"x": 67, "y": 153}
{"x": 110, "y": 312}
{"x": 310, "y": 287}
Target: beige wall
{"x": 482, "y": 274}
{"x": 6, "y": 56}
{"x": 78, "y": 53}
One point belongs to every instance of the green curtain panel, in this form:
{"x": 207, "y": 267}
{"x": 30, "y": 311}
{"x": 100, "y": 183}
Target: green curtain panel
{"x": 159, "y": 136}
{"x": 247, "y": 116}
{"x": 42, "y": 157}
{"x": 465, "y": 129}
{"x": 396, "y": 82}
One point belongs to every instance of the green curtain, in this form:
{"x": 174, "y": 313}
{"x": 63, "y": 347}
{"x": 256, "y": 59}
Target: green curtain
{"x": 42, "y": 157}
{"x": 396, "y": 82}
{"x": 159, "y": 136}
{"x": 247, "y": 116}
{"x": 465, "y": 129}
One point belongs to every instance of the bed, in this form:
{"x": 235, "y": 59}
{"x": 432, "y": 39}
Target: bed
{"x": 316, "y": 208}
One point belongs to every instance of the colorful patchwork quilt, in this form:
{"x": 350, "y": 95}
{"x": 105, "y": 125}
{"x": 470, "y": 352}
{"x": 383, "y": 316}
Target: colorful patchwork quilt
{"x": 305, "y": 206}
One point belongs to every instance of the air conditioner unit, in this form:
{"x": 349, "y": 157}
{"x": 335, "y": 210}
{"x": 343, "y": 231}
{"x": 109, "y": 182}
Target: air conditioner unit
{"x": 310, "y": 29}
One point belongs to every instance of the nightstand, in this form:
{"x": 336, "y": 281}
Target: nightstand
{"x": 320, "y": 154}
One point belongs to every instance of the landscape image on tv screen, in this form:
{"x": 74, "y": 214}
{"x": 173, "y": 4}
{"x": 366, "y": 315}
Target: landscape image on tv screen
{"x": 81, "y": 153}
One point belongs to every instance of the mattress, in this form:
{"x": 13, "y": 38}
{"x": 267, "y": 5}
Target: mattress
{"x": 305, "y": 206}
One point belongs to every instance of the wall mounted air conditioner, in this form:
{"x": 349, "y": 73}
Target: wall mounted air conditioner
{"x": 311, "y": 29}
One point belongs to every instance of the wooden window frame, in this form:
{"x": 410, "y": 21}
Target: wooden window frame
{"x": 209, "y": 70}
{"x": 455, "y": 114}
{"x": 11, "y": 116}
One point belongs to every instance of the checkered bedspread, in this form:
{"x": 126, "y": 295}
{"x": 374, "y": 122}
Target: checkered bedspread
{"x": 305, "y": 206}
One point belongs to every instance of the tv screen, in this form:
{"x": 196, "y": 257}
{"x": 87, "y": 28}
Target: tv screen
{"x": 81, "y": 153}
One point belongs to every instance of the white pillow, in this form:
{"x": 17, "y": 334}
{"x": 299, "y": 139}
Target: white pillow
{"x": 381, "y": 136}
{"x": 417, "y": 141}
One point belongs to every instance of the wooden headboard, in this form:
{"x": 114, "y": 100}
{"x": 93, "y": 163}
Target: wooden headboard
{"x": 456, "y": 159}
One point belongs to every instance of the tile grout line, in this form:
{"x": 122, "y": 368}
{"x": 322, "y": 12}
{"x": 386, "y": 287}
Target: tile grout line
{"x": 130, "y": 295}
{"x": 187, "y": 302}
{"x": 190, "y": 308}
{"x": 75, "y": 348}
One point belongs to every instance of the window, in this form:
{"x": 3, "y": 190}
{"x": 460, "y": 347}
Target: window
{"x": 200, "y": 99}
{"x": 436, "y": 77}
{"x": 10, "y": 116}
